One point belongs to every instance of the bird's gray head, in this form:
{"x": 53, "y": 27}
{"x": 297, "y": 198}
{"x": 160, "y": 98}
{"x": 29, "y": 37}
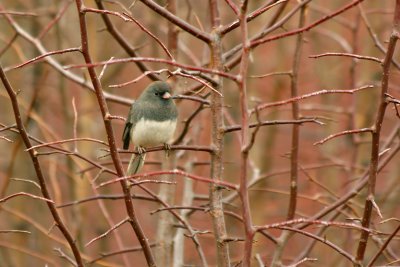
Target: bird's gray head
{"x": 157, "y": 91}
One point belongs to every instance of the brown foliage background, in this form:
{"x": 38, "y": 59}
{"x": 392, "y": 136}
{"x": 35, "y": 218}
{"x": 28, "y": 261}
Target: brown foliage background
{"x": 333, "y": 193}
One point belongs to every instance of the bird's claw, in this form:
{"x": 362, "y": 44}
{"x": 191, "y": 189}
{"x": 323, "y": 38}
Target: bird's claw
{"x": 167, "y": 148}
{"x": 141, "y": 150}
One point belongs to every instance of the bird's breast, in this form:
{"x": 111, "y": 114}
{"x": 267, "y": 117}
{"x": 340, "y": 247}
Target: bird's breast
{"x": 148, "y": 133}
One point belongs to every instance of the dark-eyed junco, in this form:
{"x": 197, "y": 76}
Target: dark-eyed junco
{"x": 151, "y": 121}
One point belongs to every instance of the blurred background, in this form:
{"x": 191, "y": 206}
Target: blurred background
{"x": 47, "y": 93}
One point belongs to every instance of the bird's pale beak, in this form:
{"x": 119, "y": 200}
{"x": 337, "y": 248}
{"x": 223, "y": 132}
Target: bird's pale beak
{"x": 166, "y": 95}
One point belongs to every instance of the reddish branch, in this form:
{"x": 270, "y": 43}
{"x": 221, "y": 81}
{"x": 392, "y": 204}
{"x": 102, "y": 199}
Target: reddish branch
{"x": 356, "y": 131}
{"x": 25, "y": 194}
{"x": 107, "y": 232}
{"x": 233, "y": 128}
{"x": 314, "y": 222}
{"x": 246, "y": 142}
{"x": 376, "y": 134}
{"x": 172, "y": 172}
{"x": 113, "y": 253}
{"x": 38, "y": 58}
{"x": 374, "y": 36}
{"x": 322, "y": 92}
{"x": 174, "y": 147}
{"x": 256, "y": 43}
{"x": 250, "y": 17}
{"x": 133, "y": 220}
{"x": 272, "y": 26}
{"x": 192, "y": 208}
{"x": 177, "y": 21}
{"x": 9, "y": 44}
{"x": 144, "y": 74}
{"x": 375, "y": 59}
{"x": 17, "y": 13}
{"x": 322, "y": 240}
{"x": 294, "y": 151}
{"x": 59, "y": 15}
{"x": 104, "y": 197}
{"x": 233, "y": 6}
{"x": 67, "y": 141}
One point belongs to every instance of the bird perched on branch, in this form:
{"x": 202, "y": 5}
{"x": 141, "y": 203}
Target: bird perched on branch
{"x": 151, "y": 121}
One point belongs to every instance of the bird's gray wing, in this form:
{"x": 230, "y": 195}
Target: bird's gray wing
{"x": 135, "y": 113}
{"x": 126, "y": 136}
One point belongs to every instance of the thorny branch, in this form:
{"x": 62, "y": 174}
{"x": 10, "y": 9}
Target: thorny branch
{"x": 133, "y": 220}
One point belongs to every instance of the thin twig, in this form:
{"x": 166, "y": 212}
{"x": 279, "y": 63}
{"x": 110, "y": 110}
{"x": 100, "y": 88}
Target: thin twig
{"x": 14, "y": 232}
{"x": 177, "y": 21}
{"x": 67, "y": 141}
{"x": 173, "y": 172}
{"x": 108, "y": 231}
{"x": 375, "y": 59}
{"x": 305, "y": 96}
{"x": 38, "y": 58}
{"x": 356, "y": 131}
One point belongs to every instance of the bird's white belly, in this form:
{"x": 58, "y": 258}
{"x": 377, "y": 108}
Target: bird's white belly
{"x": 152, "y": 133}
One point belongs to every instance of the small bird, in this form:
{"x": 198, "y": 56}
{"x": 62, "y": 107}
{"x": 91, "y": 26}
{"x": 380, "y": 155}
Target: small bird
{"x": 151, "y": 121}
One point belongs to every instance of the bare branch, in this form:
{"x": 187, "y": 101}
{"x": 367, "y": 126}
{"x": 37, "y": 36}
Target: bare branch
{"x": 356, "y": 131}
{"x": 108, "y": 231}
{"x": 173, "y": 172}
{"x": 347, "y": 55}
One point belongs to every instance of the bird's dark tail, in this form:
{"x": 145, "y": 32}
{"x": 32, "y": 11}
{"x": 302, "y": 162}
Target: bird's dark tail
{"x": 135, "y": 164}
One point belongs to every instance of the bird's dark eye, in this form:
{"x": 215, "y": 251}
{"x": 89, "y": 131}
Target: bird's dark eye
{"x": 157, "y": 93}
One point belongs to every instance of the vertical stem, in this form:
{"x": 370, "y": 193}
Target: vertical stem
{"x": 294, "y": 153}
{"x": 245, "y": 138}
{"x": 216, "y": 208}
{"x": 111, "y": 139}
{"x": 376, "y": 133}
{"x": 354, "y": 121}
